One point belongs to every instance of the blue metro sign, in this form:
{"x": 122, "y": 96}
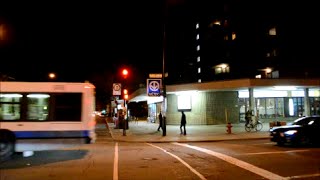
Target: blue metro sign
{"x": 154, "y": 87}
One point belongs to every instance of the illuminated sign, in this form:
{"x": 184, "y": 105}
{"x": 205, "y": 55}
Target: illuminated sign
{"x": 155, "y": 75}
{"x": 184, "y": 102}
{"x": 116, "y": 90}
{"x": 154, "y": 87}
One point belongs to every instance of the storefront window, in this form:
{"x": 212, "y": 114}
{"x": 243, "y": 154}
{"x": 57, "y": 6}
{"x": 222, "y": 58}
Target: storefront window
{"x": 270, "y": 107}
{"x": 279, "y": 109}
{"x": 261, "y": 107}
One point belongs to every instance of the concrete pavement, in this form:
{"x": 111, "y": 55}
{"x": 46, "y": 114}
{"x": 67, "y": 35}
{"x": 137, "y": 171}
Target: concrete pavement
{"x": 143, "y": 131}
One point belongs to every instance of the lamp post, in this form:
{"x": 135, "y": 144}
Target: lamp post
{"x": 52, "y": 76}
{"x": 164, "y": 93}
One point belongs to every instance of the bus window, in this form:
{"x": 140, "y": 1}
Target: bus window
{"x": 67, "y": 106}
{"x": 10, "y": 106}
{"x": 37, "y": 106}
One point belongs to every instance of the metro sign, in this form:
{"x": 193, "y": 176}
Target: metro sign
{"x": 154, "y": 87}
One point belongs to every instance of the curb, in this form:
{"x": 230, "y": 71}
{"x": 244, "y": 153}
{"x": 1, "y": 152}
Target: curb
{"x": 179, "y": 141}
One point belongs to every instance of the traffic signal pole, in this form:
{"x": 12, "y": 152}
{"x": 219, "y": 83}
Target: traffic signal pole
{"x": 125, "y": 96}
{"x": 125, "y": 121}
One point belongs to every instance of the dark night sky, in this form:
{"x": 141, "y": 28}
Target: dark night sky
{"x": 81, "y": 39}
{"x": 92, "y": 40}
{"x": 78, "y": 39}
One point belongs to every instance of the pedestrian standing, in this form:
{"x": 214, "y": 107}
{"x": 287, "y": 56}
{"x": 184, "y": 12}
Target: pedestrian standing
{"x": 160, "y": 122}
{"x": 183, "y": 123}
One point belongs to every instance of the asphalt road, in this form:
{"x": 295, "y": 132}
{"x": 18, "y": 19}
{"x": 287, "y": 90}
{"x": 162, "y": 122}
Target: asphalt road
{"x": 107, "y": 159}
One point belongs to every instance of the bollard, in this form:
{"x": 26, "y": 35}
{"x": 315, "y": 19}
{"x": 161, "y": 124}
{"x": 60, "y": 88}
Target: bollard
{"x": 229, "y": 126}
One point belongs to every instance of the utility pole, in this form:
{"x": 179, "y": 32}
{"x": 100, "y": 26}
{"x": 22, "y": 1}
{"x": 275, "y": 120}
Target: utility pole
{"x": 164, "y": 93}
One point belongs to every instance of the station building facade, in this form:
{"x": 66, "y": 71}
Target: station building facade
{"x": 220, "y": 102}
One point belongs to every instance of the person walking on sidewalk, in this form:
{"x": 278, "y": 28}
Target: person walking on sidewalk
{"x": 183, "y": 123}
{"x": 160, "y": 122}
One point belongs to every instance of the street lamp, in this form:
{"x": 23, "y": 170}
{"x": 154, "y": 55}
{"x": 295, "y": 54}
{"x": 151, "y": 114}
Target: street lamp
{"x": 52, "y": 75}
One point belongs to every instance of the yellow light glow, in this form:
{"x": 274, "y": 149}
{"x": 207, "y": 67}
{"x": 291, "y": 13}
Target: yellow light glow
{"x": 268, "y": 70}
{"x": 52, "y": 75}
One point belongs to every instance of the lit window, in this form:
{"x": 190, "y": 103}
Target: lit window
{"x": 268, "y": 70}
{"x": 199, "y": 80}
{"x": 198, "y": 48}
{"x": 291, "y": 107}
{"x": 197, "y": 37}
{"x": 217, "y": 22}
{"x": 197, "y": 26}
{"x": 198, "y": 59}
{"x": 258, "y": 76}
{"x": 222, "y": 68}
{"x": 199, "y": 70}
{"x": 218, "y": 70}
{"x": 272, "y": 32}
{"x": 272, "y": 53}
{"x": 226, "y": 37}
{"x": 234, "y": 36}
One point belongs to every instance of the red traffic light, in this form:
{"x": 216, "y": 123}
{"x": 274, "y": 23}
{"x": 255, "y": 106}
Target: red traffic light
{"x": 125, "y": 72}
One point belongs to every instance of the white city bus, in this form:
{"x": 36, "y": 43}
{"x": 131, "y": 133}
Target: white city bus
{"x": 45, "y": 115}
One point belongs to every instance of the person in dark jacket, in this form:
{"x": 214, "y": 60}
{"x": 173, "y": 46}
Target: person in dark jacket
{"x": 160, "y": 121}
{"x": 183, "y": 123}
{"x": 248, "y": 117}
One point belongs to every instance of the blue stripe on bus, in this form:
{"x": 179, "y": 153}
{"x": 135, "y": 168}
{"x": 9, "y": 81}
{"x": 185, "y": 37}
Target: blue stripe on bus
{"x": 51, "y": 134}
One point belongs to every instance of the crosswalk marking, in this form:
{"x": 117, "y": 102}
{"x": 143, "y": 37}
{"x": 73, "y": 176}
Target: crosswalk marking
{"x": 249, "y": 167}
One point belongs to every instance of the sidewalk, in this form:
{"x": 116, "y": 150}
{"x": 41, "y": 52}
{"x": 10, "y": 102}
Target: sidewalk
{"x": 143, "y": 131}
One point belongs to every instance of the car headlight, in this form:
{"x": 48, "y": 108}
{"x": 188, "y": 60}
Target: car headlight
{"x": 290, "y": 132}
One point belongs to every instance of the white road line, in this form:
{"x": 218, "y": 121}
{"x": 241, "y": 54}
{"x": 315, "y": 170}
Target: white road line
{"x": 304, "y": 176}
{"x": 249, "y": 167}
{"x": 183, "y": 162}
{"x": 266, "y": 143}
{"x": 275, "y": 152}
{"x": 115, "y": 162}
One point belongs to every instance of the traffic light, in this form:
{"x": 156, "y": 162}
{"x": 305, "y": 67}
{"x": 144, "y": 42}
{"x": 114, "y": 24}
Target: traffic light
{"x": 125, "y": 73}
{"x": 125, "y": 94}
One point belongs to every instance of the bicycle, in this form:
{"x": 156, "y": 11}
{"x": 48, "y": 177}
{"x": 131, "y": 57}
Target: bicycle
{"x": 257, "y": 125}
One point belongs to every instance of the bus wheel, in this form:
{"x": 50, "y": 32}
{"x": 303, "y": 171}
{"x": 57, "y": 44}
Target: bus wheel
{"x": 6, "y": 146}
